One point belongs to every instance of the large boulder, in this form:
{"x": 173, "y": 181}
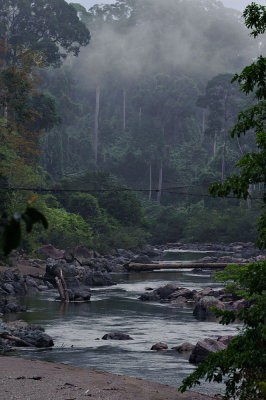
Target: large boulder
{"x": 96, "y": 279}
{"x": 225, "y": 339}
{"x": 53, "y": 268}
{"x": 116, "y": 336}
{"x": 33, "y": 335}
{"x": 36, "y": 337}
{"x": 161, "y": 293}
{"x": 79, "y": 294}
{"x": 187, "y": 293}
{"x": 49, "y": 251}
{"x": 203, "y": 310}
{"x": 80, "y": 254}
{"x": 204, "y": 348}
{"x": 142, "y": 259}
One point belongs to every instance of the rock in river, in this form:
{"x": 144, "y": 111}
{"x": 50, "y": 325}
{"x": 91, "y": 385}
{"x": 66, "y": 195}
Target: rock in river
{"x": 159, "y": 346}
{"x": 116, "y": 336}
{"x": 203, "y": 310}
{"x": 204, "y": 348}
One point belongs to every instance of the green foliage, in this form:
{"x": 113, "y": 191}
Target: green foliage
{"x": 242, "y": 365}
{"x": 255, "y": 17}
{"x": 226, "y": 224}
{"x": 252, "y": 167}
{"x": 65, "y": 230}
{"x": 47, "y": 26}
{"x": 84, "y": 204}
{"x": 165, "y": 223}
{"x": 123, "y": 206}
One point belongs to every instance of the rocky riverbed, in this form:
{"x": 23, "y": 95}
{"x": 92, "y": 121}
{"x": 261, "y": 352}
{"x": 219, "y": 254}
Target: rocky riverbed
{"x": 84, "y": 269}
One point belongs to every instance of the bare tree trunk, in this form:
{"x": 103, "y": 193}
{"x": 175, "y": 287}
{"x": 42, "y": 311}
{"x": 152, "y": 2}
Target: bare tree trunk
{"x": 203, "y": 122}
{"x": 5, "y": 114}
{"x": 124, "y": 109}
{"x": 96, "y": 123}
{"x": 224, "y": 135}
{"x": 160, "y": 183}
{"x": 214, "y": 144}
{"x": 223, "y": 156}
{"x": 150, "y": 183}
{"x": 60, "y": 288}
{"x": 239, "y": 146}
{"x": 249, "y": 198}
{"x": 64, "y": 286}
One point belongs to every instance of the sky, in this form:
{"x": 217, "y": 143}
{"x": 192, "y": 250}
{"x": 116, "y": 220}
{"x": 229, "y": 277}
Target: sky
{"x": 237, "y": 4}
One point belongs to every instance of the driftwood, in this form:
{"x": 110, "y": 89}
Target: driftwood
{"x": 16, "y": 339}
{"x": 137, "y": 267}
{"x": 62, "y": 287}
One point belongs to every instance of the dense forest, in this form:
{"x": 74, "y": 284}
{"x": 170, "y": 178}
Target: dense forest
{"x": 115, "y": 120}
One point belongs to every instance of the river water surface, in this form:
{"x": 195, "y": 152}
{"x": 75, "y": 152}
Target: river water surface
{"x": 77, "y": 328}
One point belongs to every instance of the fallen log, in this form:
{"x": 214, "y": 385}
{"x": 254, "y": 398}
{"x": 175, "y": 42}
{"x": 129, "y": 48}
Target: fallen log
{"x": 137, "y": 267}
{"x": 15, "y": 339}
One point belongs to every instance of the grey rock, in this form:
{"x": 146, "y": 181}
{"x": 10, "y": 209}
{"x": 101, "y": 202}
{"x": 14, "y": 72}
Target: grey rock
{"x": 116, "y": 336}
{"x": 79, "y": 253}
{"x": 36, "y": 338}
{"x": 13, "y": 307}
{"x": 204, "y": 348}
{"x": 188, "y": 294}
{"x": 49, "y": 251}
{"x": 80, "y": 294}
{"x": 202, "y": 309}
{"x": 142, "y": 259}
{"x": 8, "y": 287}
{"x": 4, "y": 328}
{"x": 179, "y": 302}
{"x": 96, "y": 279}
{"x": 225, "y": 339}
{"x": 53, "y": 270}
{"x": 184, "y": 347}
{"x": 159, "y": 346}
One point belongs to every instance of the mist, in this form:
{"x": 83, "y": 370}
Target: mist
{"x": 200, "y": 38}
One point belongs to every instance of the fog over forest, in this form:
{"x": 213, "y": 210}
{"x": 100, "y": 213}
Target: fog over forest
{"x": 201, "y": 38}
{"x": 140, "y": 104}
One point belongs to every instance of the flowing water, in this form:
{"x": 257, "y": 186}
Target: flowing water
{"x": 77, "y": 328}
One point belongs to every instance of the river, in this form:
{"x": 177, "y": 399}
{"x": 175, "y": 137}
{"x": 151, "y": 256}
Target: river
{"x": 77, "y": 328}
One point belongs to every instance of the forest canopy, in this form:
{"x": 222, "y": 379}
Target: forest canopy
{"x": 137, "y": 126}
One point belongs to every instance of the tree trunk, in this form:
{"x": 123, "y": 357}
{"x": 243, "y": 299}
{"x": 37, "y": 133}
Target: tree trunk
{"x": 214, "y": 144}
{"x": 96, "y": 123}
{"x": 150, "y": 183}
{"x": 160, "y": 183}
{"x": 203, "y": 122}
{"x": 239, "y": 146}
{"x": 249, "y": 198}
{"x": 223, "y": 157}
{"x": 124, "y": 109}
{"x": 224, "y": 136}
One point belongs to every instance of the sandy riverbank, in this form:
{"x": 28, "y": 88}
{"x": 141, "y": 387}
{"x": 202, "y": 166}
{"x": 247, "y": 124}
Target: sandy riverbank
{"x": 22, "y": 379}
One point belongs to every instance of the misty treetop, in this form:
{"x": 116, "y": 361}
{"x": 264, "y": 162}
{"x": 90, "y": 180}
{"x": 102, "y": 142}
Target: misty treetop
{"x": 47, "y": 26}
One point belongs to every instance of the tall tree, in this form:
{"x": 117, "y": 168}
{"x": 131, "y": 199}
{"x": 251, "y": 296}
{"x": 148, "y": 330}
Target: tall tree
{"x": 48, "y": 26}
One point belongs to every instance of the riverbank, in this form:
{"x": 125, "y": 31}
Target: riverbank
{"x": 27, "y": 379}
